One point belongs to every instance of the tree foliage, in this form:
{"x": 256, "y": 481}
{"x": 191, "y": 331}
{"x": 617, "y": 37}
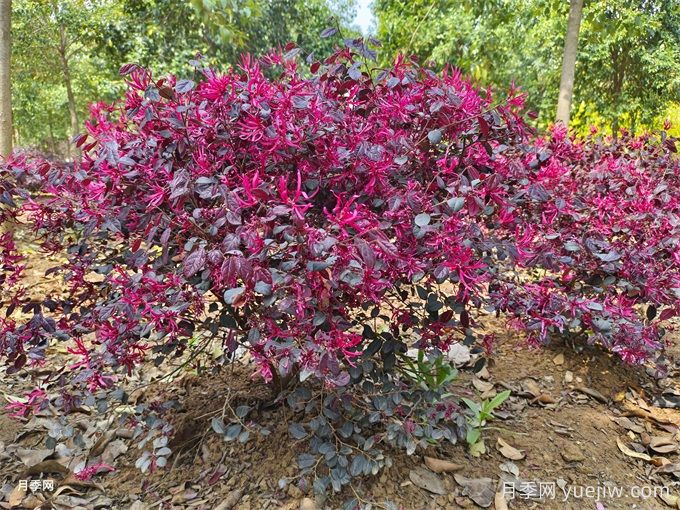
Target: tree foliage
{"x": 164, "y": 33}
{"x": 44, "y": 33}
{"x": 626, "y": 69}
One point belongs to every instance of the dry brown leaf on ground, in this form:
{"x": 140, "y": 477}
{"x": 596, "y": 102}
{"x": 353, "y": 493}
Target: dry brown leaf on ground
{"x": 509, "y": 452}
{"x": 231, "y": 500}
{"x": 113, "y": 450}
{"x": 426, "y": 479}
{"x": 669, "y": 468}
{"x": 592, "y": 393}
{"x": 530, "y": 386}
{"x": 663, "y": 444}
{"x": 510, "y": 468}
{"x": 98, "y": 447}
{"x": 499, "y": 502}
{"x": 627, "y": 424}
{"x": 670, "y": 499}
{"x": 441, "y": 466}
{"x": 46, "y": 466}
{"x": 32, "y": 457}
{"x": 480, "y": 490}
{"x": 653, "y": 414}
{"x": 544, "y": 398}
{"x": 16, "y": 496}
{"x": 482, "y": 386}
{"x": 631, "y": 453}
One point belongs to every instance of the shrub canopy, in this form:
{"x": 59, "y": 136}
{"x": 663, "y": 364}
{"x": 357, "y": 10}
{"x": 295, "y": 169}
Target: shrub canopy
{"x": 328, "y": 221}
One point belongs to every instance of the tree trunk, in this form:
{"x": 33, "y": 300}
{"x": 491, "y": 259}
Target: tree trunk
{"x": 633, "y": 123}
{"x": 615, "y": 127}
{"x": 6, "y": 130}
{"x": 569, "y": 61}
{"x": 66, "y": 71}
{"x": 53, "y": 143}
{"x": 75, "y": 127}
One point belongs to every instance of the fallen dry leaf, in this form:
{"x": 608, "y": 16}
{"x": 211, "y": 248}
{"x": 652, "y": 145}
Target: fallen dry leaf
{"x": 531, "y": 387}
{"x": 46, "y": 466}
{"x": 631, "y": 453}
{"x": 426, "y": 479}
{"x": 670, "y": 499}
{"x": 231, "y": 500}
{"x": 592, "y": 393}
{"x": 628, "y": 424}
{"x": 509, "y": 452}
{"x": 483, "y": 373}
{"x": 499, "y": 502}
{"x": 482, "y": 386}
{"x": 663, "y": 444}
{"x": 544, "y": 398}
{"x": 100, "y": 444}
{"x": 652, "y": 414}
{"x": 510, "y": 467}
{"x": 65, "y": 488}
{"x": 441, "y": 466}
{"x": 16, "y": 496}
{"x": 480, "y": 490}
{"x": 32, "y": 457}
{"x": 113, "y": 450}
{"x": 669, "y": 468}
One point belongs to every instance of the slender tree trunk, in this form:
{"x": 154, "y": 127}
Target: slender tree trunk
{"x": 569, "y": 61}
{"x": 6, "y": 130}
{"x": 66, "y": 71}
{"x": 53, "y": 143}
{"x": 615, "y": 127}
{"x": 69, "y": 89}
{"x": 633, "y": 123}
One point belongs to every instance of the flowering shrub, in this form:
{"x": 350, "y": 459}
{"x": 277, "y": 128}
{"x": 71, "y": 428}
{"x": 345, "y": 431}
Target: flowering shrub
{"x": 285, "y": 208}
{"x": 602, "y": 225}
{"x": 327, "y": 223}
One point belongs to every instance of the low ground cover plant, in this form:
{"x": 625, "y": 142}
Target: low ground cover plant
{"x": 328, "y": 218}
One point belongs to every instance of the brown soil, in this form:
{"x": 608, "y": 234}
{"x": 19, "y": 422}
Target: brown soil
{"x": 205, "y": 469}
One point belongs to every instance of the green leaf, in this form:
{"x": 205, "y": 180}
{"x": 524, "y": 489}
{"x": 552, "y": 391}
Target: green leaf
{"x": 498, "y": 399}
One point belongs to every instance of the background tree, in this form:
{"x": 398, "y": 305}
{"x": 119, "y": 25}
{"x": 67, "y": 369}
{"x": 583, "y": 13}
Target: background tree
{"x": 67, "y": 53}
{"x": 255, "y": 27}
{"x": 498, "y": 42}
{"x": 628, "y": 58}
{"x": 58, "y": 70}
{"x": 569, "y": 62}
{"x": 5, "y": 87}
{"x": 629, "y": 61}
